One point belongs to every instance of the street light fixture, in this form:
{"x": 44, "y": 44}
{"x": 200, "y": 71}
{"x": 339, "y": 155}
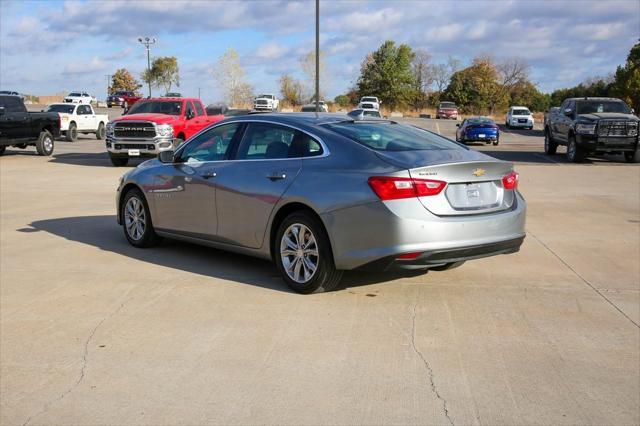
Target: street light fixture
{"x": 147, "y": 42}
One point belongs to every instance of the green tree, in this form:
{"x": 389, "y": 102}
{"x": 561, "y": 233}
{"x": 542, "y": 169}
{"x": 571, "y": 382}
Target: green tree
{"x": 164, "y": 72}
{"x": 387, "y": 74}
{"x": 626, "y": 84}
{"x": 476, "y": 89}
{"x": 343, "y": 100}
{"x": 291, "y": 90}
{"x": 122, "y": 79}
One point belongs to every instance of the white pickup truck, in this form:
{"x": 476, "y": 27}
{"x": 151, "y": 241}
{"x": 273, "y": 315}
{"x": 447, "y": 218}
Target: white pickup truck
{"x": 266, "y": 102}
{"x": 79, "y": 118}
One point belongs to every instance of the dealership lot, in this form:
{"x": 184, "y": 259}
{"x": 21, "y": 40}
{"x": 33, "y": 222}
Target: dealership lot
{"x": 95, "y": 331}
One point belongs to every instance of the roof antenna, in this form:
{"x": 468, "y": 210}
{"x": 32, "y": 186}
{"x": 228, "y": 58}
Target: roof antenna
{"x": 317, "y": 57}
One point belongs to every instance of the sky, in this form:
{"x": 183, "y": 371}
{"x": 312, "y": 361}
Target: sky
{"x": 51, "y": 46}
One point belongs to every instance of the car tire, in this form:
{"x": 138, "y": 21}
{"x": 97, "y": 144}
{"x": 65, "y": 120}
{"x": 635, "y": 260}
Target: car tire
{"x": 629, "y": 157}
{"x": 72, "y": 132}
{"x": 550, "y": 146}
{"x": 108, "y": 105}
{"x": 101, "y": 132}
{"x": 496, "y": 142}
{"x": 295, "y": 259}
{"x": 44, "y": 144}
{"x": 575, "y": 154}
{"x": 2, "y": 149}
{"x": 118, "y": 161}
{"x": 136, "y": 220}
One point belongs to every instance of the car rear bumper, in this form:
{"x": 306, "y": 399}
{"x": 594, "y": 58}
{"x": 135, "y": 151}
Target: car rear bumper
{"x": 380, "y": 232}
{"x": 489, "y": 135}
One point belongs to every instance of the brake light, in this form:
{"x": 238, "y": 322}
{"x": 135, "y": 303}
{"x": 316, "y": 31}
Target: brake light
{"x": 510, "y": 181}
{"x": 409, "y": 256}
{"x": 394, "y": 188}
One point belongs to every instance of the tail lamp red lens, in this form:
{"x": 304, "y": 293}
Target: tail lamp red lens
{"x": 510, "y": 181}
{"x": 394, "y": 188}
{"x": 409, "y": 256}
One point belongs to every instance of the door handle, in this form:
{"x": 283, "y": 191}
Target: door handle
{"x": 209, "y": 175}
{"x": 276, "y": 176}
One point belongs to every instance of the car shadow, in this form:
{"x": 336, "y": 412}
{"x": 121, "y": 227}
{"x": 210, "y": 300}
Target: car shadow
{"x": 98, "y": 159}
{"x": 522, "y": 132}
{"x": 104, "y": 233}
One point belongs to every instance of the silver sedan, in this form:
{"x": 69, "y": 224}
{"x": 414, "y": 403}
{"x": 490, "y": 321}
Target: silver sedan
{"x": 320, "y": 195}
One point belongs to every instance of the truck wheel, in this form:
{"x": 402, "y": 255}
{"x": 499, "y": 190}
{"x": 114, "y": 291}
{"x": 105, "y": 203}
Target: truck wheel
{"x": 136, "y": 220}
{"x": 100, "y": 133}
{"x": 44, "y": 145}
{"x": 302, "y": 254}
{"x": 630, "y": 157}
{"x": 575, "y": 154}
{"x": 118, "y": 161}
{"x": 550, "y": 146}
{"x": 72, "y": 132}
{"x": 2, "y": 148}
{"x": 496, "y": 142}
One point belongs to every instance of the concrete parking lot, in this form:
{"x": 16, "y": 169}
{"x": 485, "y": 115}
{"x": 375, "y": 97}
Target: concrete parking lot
{"x": 93, "y": 331}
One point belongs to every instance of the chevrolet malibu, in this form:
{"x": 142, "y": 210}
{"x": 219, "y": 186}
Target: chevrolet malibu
{"x": 322, "y": 194}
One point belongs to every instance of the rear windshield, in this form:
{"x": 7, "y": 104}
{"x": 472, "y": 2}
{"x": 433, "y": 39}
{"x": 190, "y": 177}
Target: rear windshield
{"x": 371, "y": 113}
{"x": 157, "y": 107}
{"x": 591, "y": 107}
{"x": 480, "y": 120}
{"x": 520, "y": 112}
{"x": 68, "y": 109}
{"x": 392, "y": 137}
{"x": 447, "y": 105}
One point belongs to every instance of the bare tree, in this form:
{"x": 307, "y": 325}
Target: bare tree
{"x": 308, "y": 64}
{"x": 442, "y": 73}
{"x": 422, "y": 70}
{"x": 231, "y": 77}
{"x": 512, "y": 71}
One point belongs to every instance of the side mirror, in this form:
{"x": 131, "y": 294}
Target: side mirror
{"x": 568, "y": 112}
{"x": 1, "y": 110}
{"x": 166, "y": 156}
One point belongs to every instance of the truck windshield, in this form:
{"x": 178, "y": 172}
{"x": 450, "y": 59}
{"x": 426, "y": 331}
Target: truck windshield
{"x": 156, "y": 107}
{"x": 591, "y": 107}
{"x": 392, "y": 137}
{"x": 67, "y": 109}
{"x": 366, "y": 99}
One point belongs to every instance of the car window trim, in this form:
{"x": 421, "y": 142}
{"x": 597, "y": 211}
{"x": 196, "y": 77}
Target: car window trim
{"x": 325, "y": 149}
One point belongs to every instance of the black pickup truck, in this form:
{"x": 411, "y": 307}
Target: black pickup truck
{"x": 20, "y": 128}
{"x": 589, "y": 126}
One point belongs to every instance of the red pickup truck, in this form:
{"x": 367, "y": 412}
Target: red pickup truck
{"x": 154, "y": 125}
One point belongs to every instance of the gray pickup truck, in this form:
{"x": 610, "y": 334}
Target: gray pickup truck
{"x": 591, "y": 126}
{"x": 20, "y": 128}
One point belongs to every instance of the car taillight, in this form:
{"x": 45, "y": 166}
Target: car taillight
{"x": 510, "y": 181}
{"x": 394, "y": 188}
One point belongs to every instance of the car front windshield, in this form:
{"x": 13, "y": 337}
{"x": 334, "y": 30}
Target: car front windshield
{"x": 520, "y": 112}
{"x": 392, "y": 136}
{"x": 156, "y": 107}
{"x": 447, "y": 105}
{"x": 67, "y": 109}
{"x": 75, "y": 94}
{"x": 591, "y": 107}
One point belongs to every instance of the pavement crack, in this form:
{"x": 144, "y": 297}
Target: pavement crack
{"x": 583, "y": 279}
{"x": 432, "y": 382}
{"x": 85, "y": 360}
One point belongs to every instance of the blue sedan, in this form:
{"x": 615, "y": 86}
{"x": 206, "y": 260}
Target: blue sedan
{"x": 478, "y": 129}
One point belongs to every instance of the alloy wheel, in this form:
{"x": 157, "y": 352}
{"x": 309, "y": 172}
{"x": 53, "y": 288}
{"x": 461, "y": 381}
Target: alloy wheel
{"x": 299, "y": 253}
{"x": 571, "y": 150}
{"x": 48, "y": 144}
{"x": 135, "y": 218}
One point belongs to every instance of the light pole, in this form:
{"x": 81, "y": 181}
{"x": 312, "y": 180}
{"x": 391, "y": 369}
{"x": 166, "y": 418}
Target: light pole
{"x": 108, "y": 83}
{"x": 317, "y": 56}
{"x": 147, "y": 42}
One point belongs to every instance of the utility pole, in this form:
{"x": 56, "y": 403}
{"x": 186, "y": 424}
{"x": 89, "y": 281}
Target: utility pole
{"x": 108, "y": 83}
{"x": 198, "y": 93}
{"x": 147, "y": 42}
{"x": 317, "y": 56}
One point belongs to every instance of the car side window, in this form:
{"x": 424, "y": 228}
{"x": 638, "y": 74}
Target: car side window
{"x": 199, "y": 110}
{"x": 189, "y": 109}
{"x": 306, "y": 146}
{"x": 210, "y": 145}
{"x": 265, "y": 141}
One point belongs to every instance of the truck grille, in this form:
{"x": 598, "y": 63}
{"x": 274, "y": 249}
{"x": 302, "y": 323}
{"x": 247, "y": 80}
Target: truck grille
{"x": 617, "y": 128}
{"x": 262, "y": 102}
{"x": 135, "y": 130}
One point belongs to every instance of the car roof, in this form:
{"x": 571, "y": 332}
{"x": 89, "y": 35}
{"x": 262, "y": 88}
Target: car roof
{"x": 518, "y": 107}
{"x": 300, "y": 118}
{"x": 588, "y": 98}
{"x": 480, "y": 117}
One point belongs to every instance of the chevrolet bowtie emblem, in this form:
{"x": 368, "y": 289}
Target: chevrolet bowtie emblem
{"x": 479, "y": 172}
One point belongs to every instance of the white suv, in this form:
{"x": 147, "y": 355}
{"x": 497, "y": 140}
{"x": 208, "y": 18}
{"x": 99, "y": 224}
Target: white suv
{"x": 519, "y": 116}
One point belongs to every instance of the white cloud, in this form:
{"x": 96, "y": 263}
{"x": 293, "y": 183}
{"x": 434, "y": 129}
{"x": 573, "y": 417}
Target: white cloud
{"x": 81, "y": 67}
{"x": 272, "y": 51}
